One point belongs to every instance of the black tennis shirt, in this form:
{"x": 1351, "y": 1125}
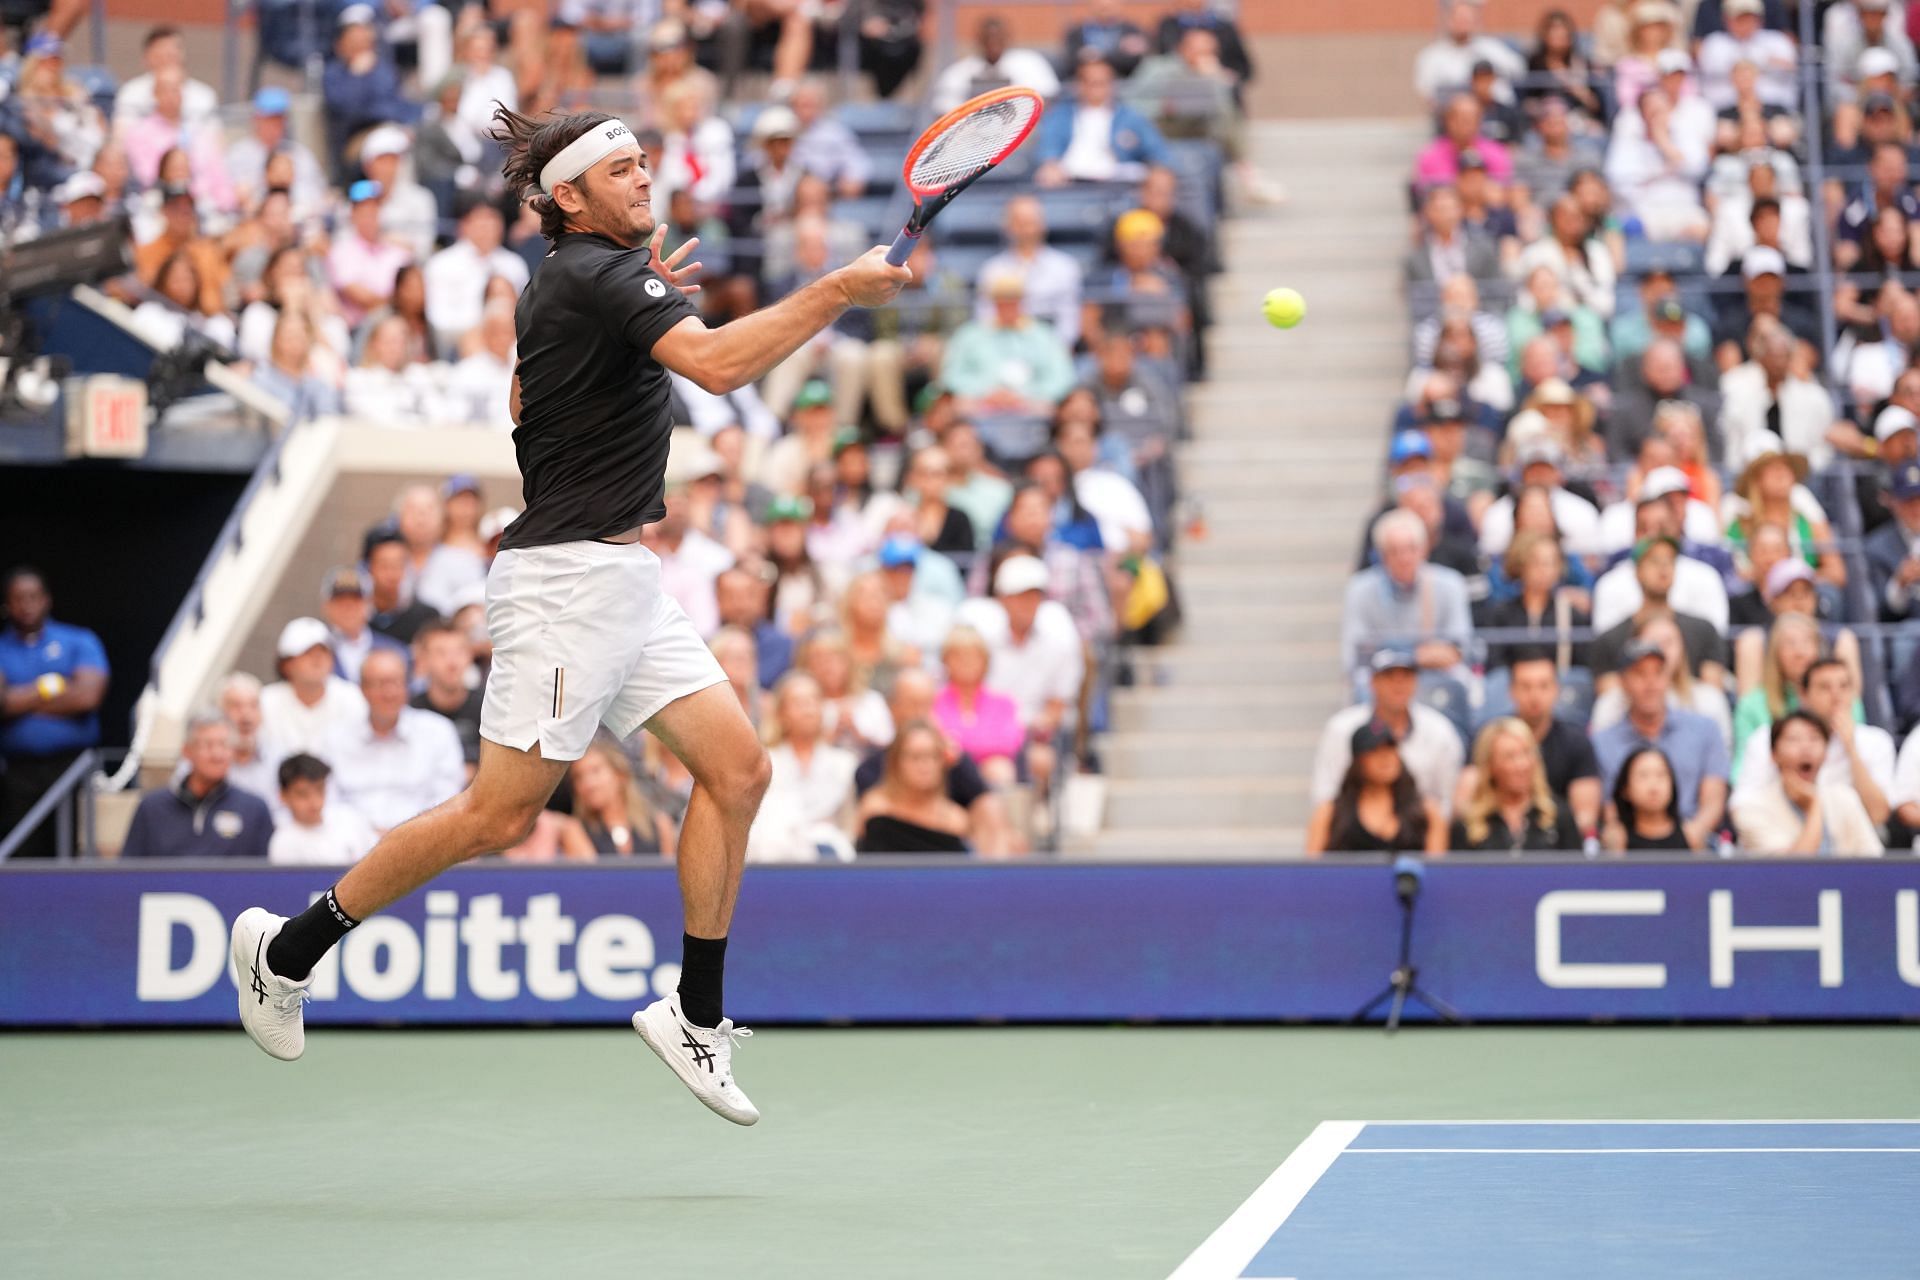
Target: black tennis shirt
{"x": 595, "y": 412}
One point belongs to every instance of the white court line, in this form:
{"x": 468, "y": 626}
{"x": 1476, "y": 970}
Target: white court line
{"x": 1621, "y": 1151}
{"x": 1226, "y": 1253}
{"x": 1488, "y": 1124}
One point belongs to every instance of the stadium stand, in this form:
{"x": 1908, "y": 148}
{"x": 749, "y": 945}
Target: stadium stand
{"x": 1660, "y": 290}
{"x": 324, "y": 269}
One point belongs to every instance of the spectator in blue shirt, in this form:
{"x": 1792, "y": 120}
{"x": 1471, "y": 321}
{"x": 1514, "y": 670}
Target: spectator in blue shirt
{"x": 1090, "y": 137}
{"x": 201, "y": 815}
{"x": 826, "y": 147}
{"x": 360, "y": 86}
{"x": 1690, "y": 740}
{"x": 55, "y": 676}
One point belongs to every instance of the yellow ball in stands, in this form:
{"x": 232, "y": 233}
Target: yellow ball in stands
{"x": 1284, "y": 308}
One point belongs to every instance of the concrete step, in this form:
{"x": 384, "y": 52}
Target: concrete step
{"x": 1272, "y": 355}
{"x": 1334, "y": 448}
{"x": 1267, "y": 397}
{"x": 1351, "y": 485}
{"x": 1195, "y": 844}
{"x": 1263, "y": 752}
{"x": 1266, "y": 553}
{"x": 1231, "y": 801}
{"x": 1204, "y": 709}
{"x": 1208, "y": 594}
{"x": 1202, "y": 662}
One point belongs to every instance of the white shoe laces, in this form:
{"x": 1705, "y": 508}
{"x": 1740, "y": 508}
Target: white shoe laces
{"x": 290, "y": 1002}
{"x": 726, "y": 1041}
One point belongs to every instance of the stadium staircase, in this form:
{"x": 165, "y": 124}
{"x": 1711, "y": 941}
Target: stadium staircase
{"x": 1210, "y": 750}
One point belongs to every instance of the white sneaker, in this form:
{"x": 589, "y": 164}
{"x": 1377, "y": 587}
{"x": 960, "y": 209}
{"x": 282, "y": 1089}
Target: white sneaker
{"x": 702, "y": 1058}
{"x": 269, "y": 1004}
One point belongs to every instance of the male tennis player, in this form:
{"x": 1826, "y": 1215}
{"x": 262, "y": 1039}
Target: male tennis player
{"x": 582, "y": 633}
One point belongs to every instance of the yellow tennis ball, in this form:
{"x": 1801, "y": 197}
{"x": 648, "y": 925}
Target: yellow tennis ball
{"x": 1284, "y": 308}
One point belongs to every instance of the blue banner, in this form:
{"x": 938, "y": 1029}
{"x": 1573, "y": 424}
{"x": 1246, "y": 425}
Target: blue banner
{"x": 1553, "y": 941}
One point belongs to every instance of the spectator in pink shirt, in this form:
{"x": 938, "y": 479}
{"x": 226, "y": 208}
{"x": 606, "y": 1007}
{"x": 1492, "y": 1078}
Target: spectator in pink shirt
{"x": 985, "y": 724}
{"x": 361, "y": 264}
{"x": 1439, "y": 162}
{"x": 148, "y": 140}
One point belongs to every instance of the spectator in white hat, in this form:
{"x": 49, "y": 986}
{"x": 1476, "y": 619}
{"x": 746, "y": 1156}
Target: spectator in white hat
{"x": 1745, "y": 39}
{"x": 82, "y": 199}
{"x": 300, "y": 710}
{"x": 1894, "y": 443}
{"x": 1035, "y": 653}
{"x": 408, "y": 212}
{"x": 1664, "y": 484}
{"x": 1861, "y": 39}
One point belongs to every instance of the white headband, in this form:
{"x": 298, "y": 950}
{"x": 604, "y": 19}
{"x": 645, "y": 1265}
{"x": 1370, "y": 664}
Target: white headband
{"x": 583, "y": 153}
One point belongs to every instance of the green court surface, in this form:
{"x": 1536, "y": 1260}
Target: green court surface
{"x": 928, "y": 1153}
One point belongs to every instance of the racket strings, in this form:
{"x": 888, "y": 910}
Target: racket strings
{"x": 975, "y": 140}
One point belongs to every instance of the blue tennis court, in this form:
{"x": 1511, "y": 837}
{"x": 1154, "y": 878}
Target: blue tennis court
{"x": 1750, "y": 1199}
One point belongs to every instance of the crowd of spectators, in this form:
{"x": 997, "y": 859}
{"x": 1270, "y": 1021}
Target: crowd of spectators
{"x": 1653, "y": 514}
{"x": 946, "y": 517}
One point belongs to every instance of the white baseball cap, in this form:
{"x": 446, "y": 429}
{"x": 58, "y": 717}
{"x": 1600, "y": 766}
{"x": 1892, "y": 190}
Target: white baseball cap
{"x": 1019, "y": 573}
{"x": 1762, "y": 261}
{"x": 84, "y": 185}
{"x": 1892, "y": 421}
{"x": 1662, "y": 481}
{"x": 1669, "y": 61}
{"x": 1876, "y": 62}
{"x": 383, "y": 140}
{"x": 301, "y": 635}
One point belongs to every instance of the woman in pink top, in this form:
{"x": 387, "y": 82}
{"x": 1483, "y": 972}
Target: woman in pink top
{"x": 985, "y": 724}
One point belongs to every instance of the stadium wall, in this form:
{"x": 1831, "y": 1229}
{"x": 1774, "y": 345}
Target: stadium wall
{"x": 919, "y": 941}
{"x": 119, "y": 547}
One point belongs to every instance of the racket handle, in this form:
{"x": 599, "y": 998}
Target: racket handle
{"x": 902, "y": 247}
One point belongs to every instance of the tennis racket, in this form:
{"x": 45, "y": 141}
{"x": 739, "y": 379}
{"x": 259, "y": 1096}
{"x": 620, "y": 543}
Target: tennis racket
{"x": 956, "y": 149}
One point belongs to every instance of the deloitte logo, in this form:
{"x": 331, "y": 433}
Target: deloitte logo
{"x": 480, "y": 953}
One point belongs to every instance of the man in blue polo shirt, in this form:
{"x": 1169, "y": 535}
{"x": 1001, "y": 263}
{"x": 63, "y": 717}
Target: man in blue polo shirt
{"x": 200, "y": 815}
{"x": 1691, "y": 742}
{"x": 55, "y": 676}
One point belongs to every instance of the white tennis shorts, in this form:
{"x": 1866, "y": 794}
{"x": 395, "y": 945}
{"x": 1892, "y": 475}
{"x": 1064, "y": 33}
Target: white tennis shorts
{"x": 584, "y": 636}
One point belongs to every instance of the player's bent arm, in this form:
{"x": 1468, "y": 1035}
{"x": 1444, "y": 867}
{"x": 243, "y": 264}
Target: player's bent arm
{"x": 723, "y": 360}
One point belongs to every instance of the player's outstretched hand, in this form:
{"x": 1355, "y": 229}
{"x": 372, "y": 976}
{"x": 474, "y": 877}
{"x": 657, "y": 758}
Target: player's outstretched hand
{"x": 678, "y": 276}
{"x": 871, "y": 281}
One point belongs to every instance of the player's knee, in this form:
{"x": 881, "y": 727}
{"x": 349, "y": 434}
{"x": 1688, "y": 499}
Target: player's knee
{"x": 744, "y": 781}
{"x": 496, "y": 827}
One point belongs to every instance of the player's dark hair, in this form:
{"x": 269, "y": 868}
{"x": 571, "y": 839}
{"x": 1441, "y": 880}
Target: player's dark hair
{"x": 156, "y": 34}
{"x": 530, "y": 144}
{"x": 301, "y": 767}
{"x": 1764, "y": 205}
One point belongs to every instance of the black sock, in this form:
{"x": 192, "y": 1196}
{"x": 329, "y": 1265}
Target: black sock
{"x": 703, "y": 963}
{"x": 307, "y": 937}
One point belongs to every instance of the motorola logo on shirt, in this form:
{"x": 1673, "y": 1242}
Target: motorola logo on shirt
{"x": 656, "y": 288}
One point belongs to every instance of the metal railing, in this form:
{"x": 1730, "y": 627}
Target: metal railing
{"x": 74, "y": 823}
